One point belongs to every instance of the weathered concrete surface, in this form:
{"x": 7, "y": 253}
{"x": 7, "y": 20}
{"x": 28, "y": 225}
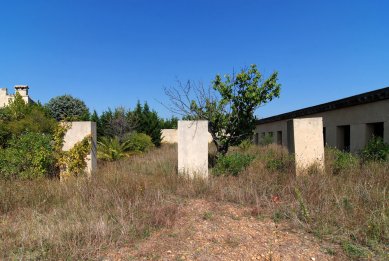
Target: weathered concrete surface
{"x": 77, "y": 132}
{"x": 170, "y": 136}
{"x": 193, "y": 148}
{"x": 305, "y": 140}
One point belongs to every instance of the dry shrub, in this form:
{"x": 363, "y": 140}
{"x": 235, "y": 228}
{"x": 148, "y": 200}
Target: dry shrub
{"x": 128, "y": 199}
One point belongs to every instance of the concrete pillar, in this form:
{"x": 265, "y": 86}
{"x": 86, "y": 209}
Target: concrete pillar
{"x": 305, "y": 140}
{"x": 77, "y": 132}
{"x": 193, "y": 148}
{"x": 358, "y": 137}
{"x": 386, "y": 132}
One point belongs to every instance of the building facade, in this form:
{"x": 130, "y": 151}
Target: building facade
{"x": 6, "y": 98}
{"x": 348, "y": 124}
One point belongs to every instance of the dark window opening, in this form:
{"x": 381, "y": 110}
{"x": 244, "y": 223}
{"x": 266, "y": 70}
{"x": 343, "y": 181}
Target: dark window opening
{"x": 257, "y": 138}
{"x": 279, "y": 137}
{"x": 343, "y": 138}
{"x": 324, "y": 136}
{"x": 375, "y": 130}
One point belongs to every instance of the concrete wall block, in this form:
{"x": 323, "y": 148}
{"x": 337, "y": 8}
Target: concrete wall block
{"x": 77, "y": 132}
{"x": 305, "y": 140}
{"x": 193, "y": 148}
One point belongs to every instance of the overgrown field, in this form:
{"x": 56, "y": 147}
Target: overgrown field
{"x": 127, "y": 200}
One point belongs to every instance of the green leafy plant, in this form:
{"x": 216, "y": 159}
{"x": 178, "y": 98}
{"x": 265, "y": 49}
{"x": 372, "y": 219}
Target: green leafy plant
{"x": 28, "y": 156}
{"x": 111, "y": 149}
{"x": 232, "y": 164}
{"x": 72, "y": 162}
{"x": 342, "y": 161}
{"x": 376, "y": 150}
{"x": 139, "y": 142}
{"x": 266, "y": 139}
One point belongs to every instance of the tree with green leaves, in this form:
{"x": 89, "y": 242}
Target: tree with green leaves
{"x": 229, "y": 105}
{"x": 68, "y": 108}
{"x": 20, "y": 117}
{"x": 148, "y": 122}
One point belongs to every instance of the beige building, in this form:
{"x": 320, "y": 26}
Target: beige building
{"x": 5, "y": 97}
{"x": 348, "y": 123}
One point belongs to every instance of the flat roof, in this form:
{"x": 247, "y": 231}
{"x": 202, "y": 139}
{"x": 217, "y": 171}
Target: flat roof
{"x": 363, "y": 98}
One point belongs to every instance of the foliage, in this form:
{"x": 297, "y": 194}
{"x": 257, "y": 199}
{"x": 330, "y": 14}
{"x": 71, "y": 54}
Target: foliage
{"x": 245, "y": 145}
{"x": 28, "y": 156}
{"x": 342, "y": 161}
{"x": 171, "y": 123}
{"x": 376, "y": 150}
{"x": 148, "y": 123}
{"x": 68, "y": 108}
{"x": 232, "y": 164}
{"x": 230, "y": 107}
{"x": 266, "y": 139}
{"x": 72, "y": 162}
{"x": 19, "y": 117}
{"x": 117, "y": 123}
{"x": 111, "y": 149}
{"x": 139, "y": 142}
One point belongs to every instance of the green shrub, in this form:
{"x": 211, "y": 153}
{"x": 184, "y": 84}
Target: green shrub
{"x": 245, "y": 145}
{"x": 29, "y": 156}
{"x": 111, "y": 149}
{"x": 266, "y": 139}
{"x": 232, "y": 164}
{"x": 139, "y": 142}
{"x": 278, "y": 160}
{"x": 342, "y": 161}
{"x": 19, "y": 117}
{"x": 376, "y": 150}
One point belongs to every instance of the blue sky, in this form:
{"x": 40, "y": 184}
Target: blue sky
{"x": 113, "y": 53}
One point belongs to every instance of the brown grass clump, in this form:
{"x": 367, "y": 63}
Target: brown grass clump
{"x": 129, "y": 199}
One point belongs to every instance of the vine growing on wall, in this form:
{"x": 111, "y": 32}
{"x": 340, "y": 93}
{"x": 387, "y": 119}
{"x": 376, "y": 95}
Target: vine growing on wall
{"x": 71, "y": 163}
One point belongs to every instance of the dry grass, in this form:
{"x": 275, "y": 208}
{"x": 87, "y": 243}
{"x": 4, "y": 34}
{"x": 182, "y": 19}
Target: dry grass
{"x": 127, "y": 200}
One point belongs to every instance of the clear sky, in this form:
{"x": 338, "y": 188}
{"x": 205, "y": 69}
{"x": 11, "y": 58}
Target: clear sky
{"x": 113, "y": 53}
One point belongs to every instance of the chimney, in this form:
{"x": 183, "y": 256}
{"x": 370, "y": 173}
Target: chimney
{"x": 22, "y": 90}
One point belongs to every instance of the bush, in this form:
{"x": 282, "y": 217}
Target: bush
{"x": 28, "y": 156}
{"x": 111, "y": 149}
{"x": 139, "y": 142}
{"x": 232, "y": 164}
{"x": 19, "y": 117}
{"x": 68, "y": 108}
{"x": 376, "y": 150}
{"x": 342, "y": 161}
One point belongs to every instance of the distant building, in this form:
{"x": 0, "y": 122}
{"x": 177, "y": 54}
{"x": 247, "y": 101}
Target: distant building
{"x": 348, "y": 124}
{"x": 6, "y": 98}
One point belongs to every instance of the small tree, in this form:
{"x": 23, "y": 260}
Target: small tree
{"x": 229, "y": 105}
{"x": 68, "y": 108}
{"x": 148, "y": 122}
